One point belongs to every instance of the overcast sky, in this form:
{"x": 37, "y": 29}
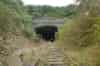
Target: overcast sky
{"x": 48, "y": 2}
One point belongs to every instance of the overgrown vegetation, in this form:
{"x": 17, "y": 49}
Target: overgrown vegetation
{"x": 80, "y": 36}
{"x": 14, "y": 17}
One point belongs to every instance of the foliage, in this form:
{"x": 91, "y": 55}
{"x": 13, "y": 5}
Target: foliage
{"x": 51, "y": 11}
{"x": 82, "y": 34}
{"x": 8, "y": 19}
{"x": 14, "y": 16}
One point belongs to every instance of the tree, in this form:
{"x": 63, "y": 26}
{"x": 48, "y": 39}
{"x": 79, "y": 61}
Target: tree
{"x": 89, "y": 7}
{"x": 83, "y": 31}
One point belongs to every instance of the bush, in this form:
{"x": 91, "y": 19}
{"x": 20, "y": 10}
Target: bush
{"x": 9, "y": 21}
{"x": 79, "y": 33}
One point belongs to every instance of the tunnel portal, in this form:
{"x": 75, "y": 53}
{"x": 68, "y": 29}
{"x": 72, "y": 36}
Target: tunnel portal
{"x": 46, "y": 32}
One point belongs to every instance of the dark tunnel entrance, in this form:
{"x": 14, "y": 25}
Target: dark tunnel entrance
{"x": 47, "y": 32}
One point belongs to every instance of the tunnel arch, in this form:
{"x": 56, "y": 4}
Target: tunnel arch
{"x": 47, "y": 32}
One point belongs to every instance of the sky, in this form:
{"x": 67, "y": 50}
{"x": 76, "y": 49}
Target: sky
{"x": 48, "y": 2}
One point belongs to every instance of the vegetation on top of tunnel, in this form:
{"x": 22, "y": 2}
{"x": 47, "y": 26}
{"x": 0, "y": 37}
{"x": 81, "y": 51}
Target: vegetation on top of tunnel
{"x": 67, "y": 11}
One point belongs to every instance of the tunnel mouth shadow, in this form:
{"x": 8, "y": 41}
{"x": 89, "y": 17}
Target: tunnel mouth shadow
{"x": 46, "y": 33}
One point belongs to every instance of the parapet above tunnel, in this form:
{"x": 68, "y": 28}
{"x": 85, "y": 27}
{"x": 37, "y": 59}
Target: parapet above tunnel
{"x": 45, "y": 21}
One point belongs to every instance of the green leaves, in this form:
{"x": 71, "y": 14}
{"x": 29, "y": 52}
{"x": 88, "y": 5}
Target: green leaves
{"x": 51, "y": 11}
{"x": 6, "y": 18}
